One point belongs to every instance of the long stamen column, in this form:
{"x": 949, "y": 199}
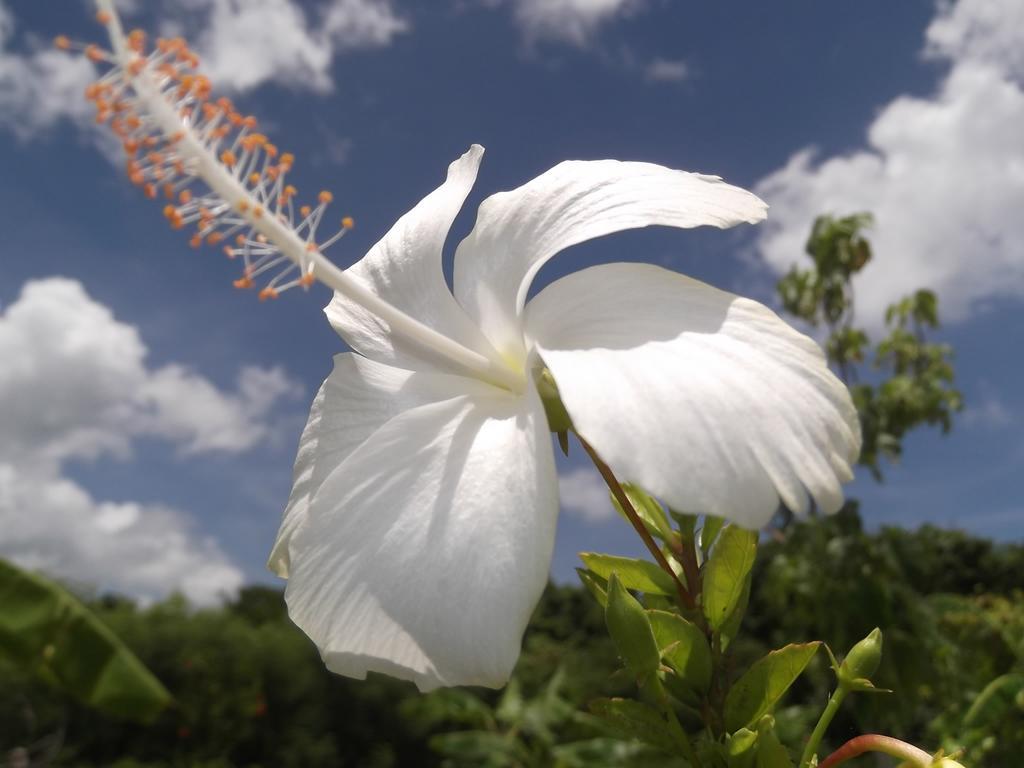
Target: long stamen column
{"x": 174, "y": 136}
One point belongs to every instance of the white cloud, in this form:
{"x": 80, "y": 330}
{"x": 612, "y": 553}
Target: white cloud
{"x": 40, "y": 87}
{"x": 75, "y": 385}
{"x": 989, "y": 412}
{"x": 246, "y": 44}
{"x": 667, "y": 70}
{"x": 584, "y": 494}
{"x": 943, "y": 175}
{"x": 570, "y": 21}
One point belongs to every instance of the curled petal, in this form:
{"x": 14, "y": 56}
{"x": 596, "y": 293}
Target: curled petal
{"x": 424, "y": 552}
{"x": 701, "y": 397}
{"x": 404, "y": 269}
{"x": 516, "y": 232}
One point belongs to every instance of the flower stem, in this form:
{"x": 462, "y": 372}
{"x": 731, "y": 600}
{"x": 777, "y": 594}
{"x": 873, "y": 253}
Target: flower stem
{"x": 834, "y": 702}
{"x": 627, "y": 507}
{"x": 873, "y": 742}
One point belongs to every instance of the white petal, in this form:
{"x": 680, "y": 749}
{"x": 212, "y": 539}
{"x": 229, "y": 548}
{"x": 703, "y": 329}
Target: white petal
{"x": 517, "y": 232}
{"x": 424, "y": 553}
{"x": 404, "y": 268}
{"x": 358, "y": 398}
{"x": 705, "y": 399}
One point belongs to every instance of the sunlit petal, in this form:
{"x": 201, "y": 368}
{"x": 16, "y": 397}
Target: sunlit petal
{"x": 705, "y": 399}
{"x": 517, "y": 232}
{"x": 404, "y": 269}
{"x": 424, "y": 552}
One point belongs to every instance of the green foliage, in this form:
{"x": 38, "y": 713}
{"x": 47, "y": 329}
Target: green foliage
{"x": 684, "y": 648}
{"x": 726, "y": 574}
{"x": 911, "y": 378}
{"x": 630, "y": 630}
{"x": 640, "y": 575}
{"x": 46, "y": 629}
{"x": 757, "y": 692}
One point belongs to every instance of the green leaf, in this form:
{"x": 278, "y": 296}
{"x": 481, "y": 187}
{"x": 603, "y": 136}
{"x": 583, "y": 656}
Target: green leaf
{"x": 759, "y": 689}
{"x": 741, "y": 749}
{"x": 994, "y": 701}
{"x": 770, "y": 751}
{"x": 596, "y": 585}
{"x": 647, "y": 509}
{"x": 731, "y": 626}
{"x": 634, "y": 574}
{"x": 631, "y": 631}
{"x": 726, "y": 572}
{"x": 45, "y": 627}
{"x": 635, "y": 720}
{"x": 709, "y": 532}
{"x": 684, "y": 648}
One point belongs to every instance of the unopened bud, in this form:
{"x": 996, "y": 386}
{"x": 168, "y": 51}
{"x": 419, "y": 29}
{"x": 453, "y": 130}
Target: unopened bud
{"x": 863, "y": 659}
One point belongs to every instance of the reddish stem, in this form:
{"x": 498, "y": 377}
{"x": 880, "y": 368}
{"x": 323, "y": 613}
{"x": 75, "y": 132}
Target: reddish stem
{"x": 873, "y": 742}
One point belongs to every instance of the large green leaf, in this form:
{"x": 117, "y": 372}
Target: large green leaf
{"x": 596, "y": 585}
{"x": 45, "y": 627}
{"x": 684, "y": 648}
{"x": 640, "y": 575}
{"x": 631, "y": 630}
{"x": 726, "y": 573}
{"x": 760, "y": 688}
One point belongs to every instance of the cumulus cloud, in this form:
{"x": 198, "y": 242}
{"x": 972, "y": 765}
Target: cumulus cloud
{"x": 75, "y": 385}
{"x": 569, "y": 21}
{"x": 584, "y": 495}
{"x": 41, "y": 86}
{"x": 246, "y": 44}
{"x": 943, "y": 175}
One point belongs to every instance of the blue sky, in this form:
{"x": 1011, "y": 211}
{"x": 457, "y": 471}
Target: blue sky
{"x": 911, "y": 110}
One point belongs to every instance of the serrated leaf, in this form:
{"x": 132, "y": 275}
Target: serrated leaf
{"x": 596, "y": 585}
{"x": 684, "y": 647}
{"x": 636, "y": 720}
{"x": 631, "y": 630}
{"x": 44, "y": 627}
{"x": 726, "y": 572}
{"x": 759, "y": 689}
{"x": 634, "y": 574}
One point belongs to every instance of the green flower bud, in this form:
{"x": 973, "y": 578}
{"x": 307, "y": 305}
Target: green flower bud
{"x": 863, "y": 659}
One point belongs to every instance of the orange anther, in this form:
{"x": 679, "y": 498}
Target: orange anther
{"x": 257, "y": 212}
{"x": 179, "y": 167}
{"x": 150, "y": 191}
{"x": 169, "y": 191}
{"x": 214, "y": 238}
{"x": 131, "y": 146}
{"x": 249, "y": 122}
{"x": 348, "y": 222}
{"x": 229, "y": 251}
{"x": 305, "y": 210}
{"x": 62, "y": 42}
{"x": 150, "y": 141}
{"x": 103, "y": 17}
{"x": 210, "y": 111}
{"x": 157, "y": 174}
{"x": 92, "y": 91}
{"x": 311, "y": 247}
{"x": 94, "y": 53}
{"x": 136, "y": 66}
{"x": 261, "y": 238}
{"x": 170, "y": 211}
{"x": 155, "y": 158}
{"x": 273, "y": 172}
{"x": 243, "y": 282}
{"x": 137, "y": 40}
{"x": 325, "y": 197}
{"x": 271, "y": 151}
{"x": 175, "y": 137}
{"x": 228, "y": 158}
{"x": 137, "y": 178}
{"x": 133, "y": 122}
{"x": 196, "y": 241}
{"x": 235, "y": 118}
{"x": 307, "y": 280}
{"x": 268, "y": 293}
{"x": 254, "y": 178}
{"x": 184, "y": 196}
{"x": 240, "y": 239}
{"x": 243, "y": 206}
